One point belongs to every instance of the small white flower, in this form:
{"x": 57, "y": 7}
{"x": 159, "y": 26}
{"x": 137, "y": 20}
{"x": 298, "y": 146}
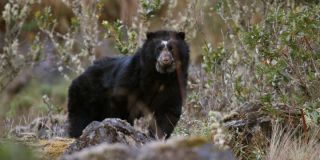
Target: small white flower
{"x": 317, "y": 75}
{"x": 66, "y": 77}
{"x": 7, "y": 7}
{"x": 60, "y": 69}
{"x": 15, "y": 47}
{"x": 74, "y": 58}
{"x": 24, "y": 11}
{"x": 45, "y": 98}
{"x": 21, "y": 56}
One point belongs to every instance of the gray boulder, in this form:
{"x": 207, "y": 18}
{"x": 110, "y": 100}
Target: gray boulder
{"x": 174, "y": 149}
{"x": 110, "y": 130}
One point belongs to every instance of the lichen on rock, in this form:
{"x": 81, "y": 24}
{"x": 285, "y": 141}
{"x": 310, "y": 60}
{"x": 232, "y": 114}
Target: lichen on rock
{"x": 111, "y": 130}
{"x": 173, "y": 149}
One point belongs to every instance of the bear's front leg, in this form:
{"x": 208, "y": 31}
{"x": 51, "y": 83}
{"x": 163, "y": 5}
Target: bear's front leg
{"x": 164, "y": 122}
{"x": 77, "y": 122}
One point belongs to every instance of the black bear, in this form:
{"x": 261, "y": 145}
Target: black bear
{"x": 153, "y": 80}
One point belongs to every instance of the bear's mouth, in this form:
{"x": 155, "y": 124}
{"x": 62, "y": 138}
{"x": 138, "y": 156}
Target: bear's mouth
{"x": 165, "y": 68}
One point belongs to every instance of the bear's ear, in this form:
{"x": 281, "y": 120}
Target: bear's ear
{"x": 181, "y": 35}
{"x": 150, "y": 35}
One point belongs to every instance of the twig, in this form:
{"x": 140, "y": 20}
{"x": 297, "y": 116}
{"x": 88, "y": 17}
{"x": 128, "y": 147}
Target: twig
{"x": 305, "y": 129}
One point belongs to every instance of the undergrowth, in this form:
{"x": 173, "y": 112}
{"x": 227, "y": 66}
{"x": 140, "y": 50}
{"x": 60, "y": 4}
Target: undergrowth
{"x": 265, "y": 52}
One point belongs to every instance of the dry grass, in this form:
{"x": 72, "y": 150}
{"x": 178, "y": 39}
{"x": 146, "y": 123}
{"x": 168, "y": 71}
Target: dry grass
{"x": 285, "y": 145}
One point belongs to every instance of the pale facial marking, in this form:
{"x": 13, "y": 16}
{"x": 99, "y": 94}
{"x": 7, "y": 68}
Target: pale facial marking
{"x": 164, "y": 43}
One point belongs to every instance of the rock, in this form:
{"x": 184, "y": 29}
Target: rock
{"x": 111, "y": 130}
{"x": 104, "y": 151}
{"x": 251, "y": 124}
{"x": 255, "y": 113}
{"x": 174, "y": 149}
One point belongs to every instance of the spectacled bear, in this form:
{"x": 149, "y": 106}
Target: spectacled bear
{"x": 152, "y": 81}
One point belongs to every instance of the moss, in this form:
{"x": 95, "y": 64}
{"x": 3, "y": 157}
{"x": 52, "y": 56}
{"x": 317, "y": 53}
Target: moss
{"x": 53, "y": 149}
{"x": 191, "y": 142}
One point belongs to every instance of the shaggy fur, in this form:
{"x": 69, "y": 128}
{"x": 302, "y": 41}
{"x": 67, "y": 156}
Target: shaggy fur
{"x": 151, "y": 81}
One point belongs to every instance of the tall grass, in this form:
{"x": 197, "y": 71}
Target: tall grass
{"x": 286, "y": 145}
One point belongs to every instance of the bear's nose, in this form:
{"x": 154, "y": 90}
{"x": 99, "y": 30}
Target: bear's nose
{"x": 166, "y": 60}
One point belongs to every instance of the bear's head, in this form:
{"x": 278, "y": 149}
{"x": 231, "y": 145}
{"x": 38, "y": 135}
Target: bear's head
{"x": 165, "y": 51}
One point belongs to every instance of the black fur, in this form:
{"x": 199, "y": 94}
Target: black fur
{"x": 130, "y": 87}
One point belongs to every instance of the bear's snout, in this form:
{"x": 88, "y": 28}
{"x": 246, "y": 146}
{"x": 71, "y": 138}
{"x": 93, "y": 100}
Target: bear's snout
{"x": 165, "y": 59}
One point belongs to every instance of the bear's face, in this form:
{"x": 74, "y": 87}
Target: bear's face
{"x": 165, "y": 50}
{"x": 165, "y": 57}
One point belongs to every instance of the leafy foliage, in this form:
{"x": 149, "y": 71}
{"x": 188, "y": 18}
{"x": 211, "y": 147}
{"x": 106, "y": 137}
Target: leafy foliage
{"x": 286, "y": 47}
{"x": 274, "y": 61}
{"x": 116, "y": 31}
{"x": 261, "y": 51}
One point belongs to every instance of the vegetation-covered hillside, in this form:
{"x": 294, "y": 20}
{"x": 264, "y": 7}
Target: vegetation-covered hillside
{"x": 253, "y": 83}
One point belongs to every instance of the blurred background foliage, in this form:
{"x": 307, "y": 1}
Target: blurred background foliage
{"x": 15, "y": 151}
{"x": 242, "y": 51}
{"x": 46, "y": 43}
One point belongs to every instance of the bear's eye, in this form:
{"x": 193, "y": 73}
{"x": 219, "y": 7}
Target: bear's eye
{"x": 160, "y": 48}
{"x": 170, "y": 48}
